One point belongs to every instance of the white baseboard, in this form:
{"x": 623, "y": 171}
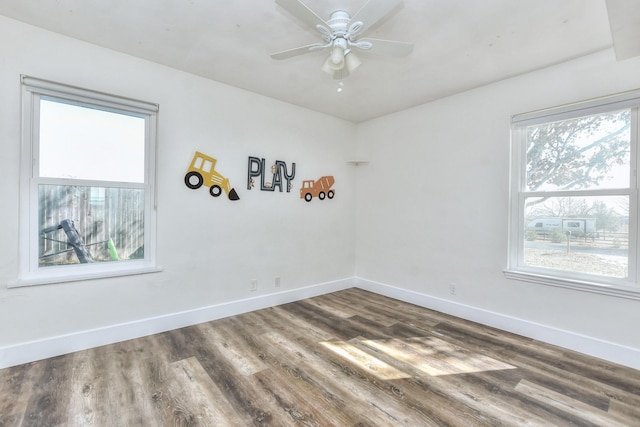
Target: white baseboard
{"x": 55, "y": 346}
{"x": 612, "y": 352}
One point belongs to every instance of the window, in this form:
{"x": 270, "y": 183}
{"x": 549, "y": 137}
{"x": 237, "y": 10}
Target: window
{"x": 87, "y": 184}
{"x": 574, "y": 196}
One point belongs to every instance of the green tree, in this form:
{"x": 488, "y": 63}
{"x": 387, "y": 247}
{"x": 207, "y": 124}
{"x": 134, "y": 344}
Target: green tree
{"x": 606, "y": 218}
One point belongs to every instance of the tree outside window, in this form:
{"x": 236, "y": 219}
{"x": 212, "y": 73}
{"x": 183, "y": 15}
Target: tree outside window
{"x": 574, "y": 201}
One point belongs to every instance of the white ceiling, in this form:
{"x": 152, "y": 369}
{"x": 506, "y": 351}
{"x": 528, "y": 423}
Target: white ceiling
{"x": 459, "y": 44}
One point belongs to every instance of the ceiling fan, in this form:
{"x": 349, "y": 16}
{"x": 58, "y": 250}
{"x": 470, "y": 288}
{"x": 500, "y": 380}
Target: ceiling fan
{"x": 340, "y": 34}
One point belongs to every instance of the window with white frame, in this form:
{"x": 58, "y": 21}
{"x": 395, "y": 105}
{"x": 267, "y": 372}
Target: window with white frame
{"x": 87, "y": 184}
{"x": 574, "y": 196}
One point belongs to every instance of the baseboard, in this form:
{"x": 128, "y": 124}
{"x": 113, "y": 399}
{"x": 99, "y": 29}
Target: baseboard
{"x": 612, "y": 352}
{"x": 55, "y": 346}
{"x": 59, "y": 345}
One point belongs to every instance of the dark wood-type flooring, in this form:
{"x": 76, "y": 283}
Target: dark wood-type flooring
{"x": 350, "y": 358}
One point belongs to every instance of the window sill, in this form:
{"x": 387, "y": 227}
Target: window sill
{"x": 64, "y": 275}
{"x": 621, "y": 291}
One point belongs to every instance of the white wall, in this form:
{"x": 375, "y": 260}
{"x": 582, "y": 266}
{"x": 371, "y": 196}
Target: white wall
{"x": 209, "y": 248}
{"x": 438, "y": 200}
{"x": 428, "y": 210}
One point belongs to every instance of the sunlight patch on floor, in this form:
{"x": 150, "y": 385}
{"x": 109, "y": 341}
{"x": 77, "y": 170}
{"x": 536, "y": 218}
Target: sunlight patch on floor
{"x": 435, "y": 357}
{"x": 365, "y": 360}
{"x": 430, "y": 355}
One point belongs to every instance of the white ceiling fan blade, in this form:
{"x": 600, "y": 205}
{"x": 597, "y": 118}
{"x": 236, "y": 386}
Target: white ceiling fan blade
{"x": 298, "y": 51}
{"x": 302, "y": 12}
{"x": 373, "y": 11}
{"x": 387, "y": 47}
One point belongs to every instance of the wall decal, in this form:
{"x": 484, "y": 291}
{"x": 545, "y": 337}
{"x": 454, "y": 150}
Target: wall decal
{"x": 279, "y": 171}
{"x": 202, "y": 171}
{"x": 320, "y": 188}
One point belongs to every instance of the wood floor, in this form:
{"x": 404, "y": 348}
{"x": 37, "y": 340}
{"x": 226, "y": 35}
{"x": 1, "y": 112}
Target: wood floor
{"x": 351, "y": 358}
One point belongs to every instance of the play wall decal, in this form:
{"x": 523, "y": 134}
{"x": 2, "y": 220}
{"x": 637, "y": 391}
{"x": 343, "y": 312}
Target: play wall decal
{"x": 202, "y": 172}
{"x": 279, "y": 172}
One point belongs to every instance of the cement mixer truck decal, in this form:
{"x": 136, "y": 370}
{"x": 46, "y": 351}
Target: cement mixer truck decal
{"x": 202, "y": 172}
{"x": 320, "y": 188}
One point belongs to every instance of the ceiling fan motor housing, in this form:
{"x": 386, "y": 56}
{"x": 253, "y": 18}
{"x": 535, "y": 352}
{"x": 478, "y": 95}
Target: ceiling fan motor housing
{"x": 338, "y": 22}
{"x": 340, "y": 33}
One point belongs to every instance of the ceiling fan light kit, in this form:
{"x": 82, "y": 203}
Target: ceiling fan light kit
{"x": 340, "y": 34}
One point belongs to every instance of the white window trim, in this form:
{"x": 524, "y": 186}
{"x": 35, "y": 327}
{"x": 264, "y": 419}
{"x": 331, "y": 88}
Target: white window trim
{"x": 626, "y": 288}
{"x": 29, "y": 273}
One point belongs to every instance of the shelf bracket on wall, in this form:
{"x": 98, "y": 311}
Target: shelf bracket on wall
{"x": 358, "y": 162}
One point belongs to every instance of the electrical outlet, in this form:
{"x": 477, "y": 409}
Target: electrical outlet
{"x": 254, "y": 285}
{"x": 452, "y": 288}
{"x": 276, "y": 281}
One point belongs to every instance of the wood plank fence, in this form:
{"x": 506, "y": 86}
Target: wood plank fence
{"x": 99, "y": 214}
